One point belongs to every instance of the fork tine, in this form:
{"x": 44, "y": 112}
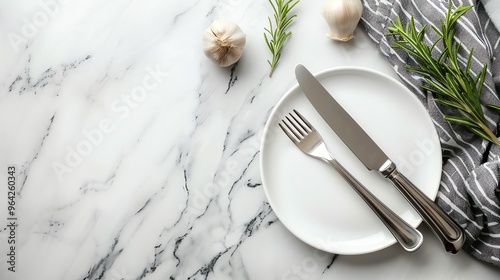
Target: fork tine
{"x": 296, "y": 127}
{"x": 293, "y": 128}
{"x": 299, "y": 122}
{"x": 300, "y": 133}
{"x": 304, "y": 120}
{"x": 286, "y": 129}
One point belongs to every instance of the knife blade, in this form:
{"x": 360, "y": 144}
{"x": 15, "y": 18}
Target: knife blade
{"x": 452, "y": 236}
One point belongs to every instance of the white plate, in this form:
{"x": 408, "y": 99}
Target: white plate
{"x": 312, "y": 200}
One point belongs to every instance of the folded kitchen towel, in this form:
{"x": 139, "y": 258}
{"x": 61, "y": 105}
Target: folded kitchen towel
{"x": 469, "y": 190}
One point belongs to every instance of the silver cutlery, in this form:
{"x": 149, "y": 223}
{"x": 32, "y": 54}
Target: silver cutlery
{"x": 309, "y": 141}
{"x": 369, "y": 153}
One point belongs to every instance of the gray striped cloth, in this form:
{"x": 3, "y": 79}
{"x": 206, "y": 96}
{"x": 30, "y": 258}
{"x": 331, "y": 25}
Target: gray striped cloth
{"x": 469, "y": 191}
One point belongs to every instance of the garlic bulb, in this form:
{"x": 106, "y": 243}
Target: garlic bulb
{"x": 224, "y": 42}
{"x": 342, "y": 16}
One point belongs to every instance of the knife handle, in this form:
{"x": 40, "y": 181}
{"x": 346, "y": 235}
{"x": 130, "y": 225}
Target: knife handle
{"x": 447, "y": 230}
{"x": 406, "y": 235}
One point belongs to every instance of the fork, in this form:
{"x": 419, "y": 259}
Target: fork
{"x": 309, "y": 141}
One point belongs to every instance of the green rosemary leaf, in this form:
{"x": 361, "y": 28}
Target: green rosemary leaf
{"x": 459, "y": 120}
{"x": 481, "y": 133}
{"x": 277, "y": 32}
{"x": 449, "y": 103}
{"x": 493, "y": 107}
{"x": 438, "y": 32}
{"x": 480, "y": 80}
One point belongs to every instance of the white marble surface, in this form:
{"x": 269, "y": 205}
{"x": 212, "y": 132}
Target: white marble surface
{"x": 138, "y": 158}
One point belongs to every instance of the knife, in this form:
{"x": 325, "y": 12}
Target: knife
{"x": 369, "y": 153}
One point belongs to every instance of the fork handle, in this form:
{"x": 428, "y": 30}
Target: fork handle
{"x": 407, "y": 236}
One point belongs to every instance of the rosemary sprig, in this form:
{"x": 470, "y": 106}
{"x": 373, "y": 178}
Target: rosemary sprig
{"x": 278, "y": 33}
{"x": 450, "y": 84}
